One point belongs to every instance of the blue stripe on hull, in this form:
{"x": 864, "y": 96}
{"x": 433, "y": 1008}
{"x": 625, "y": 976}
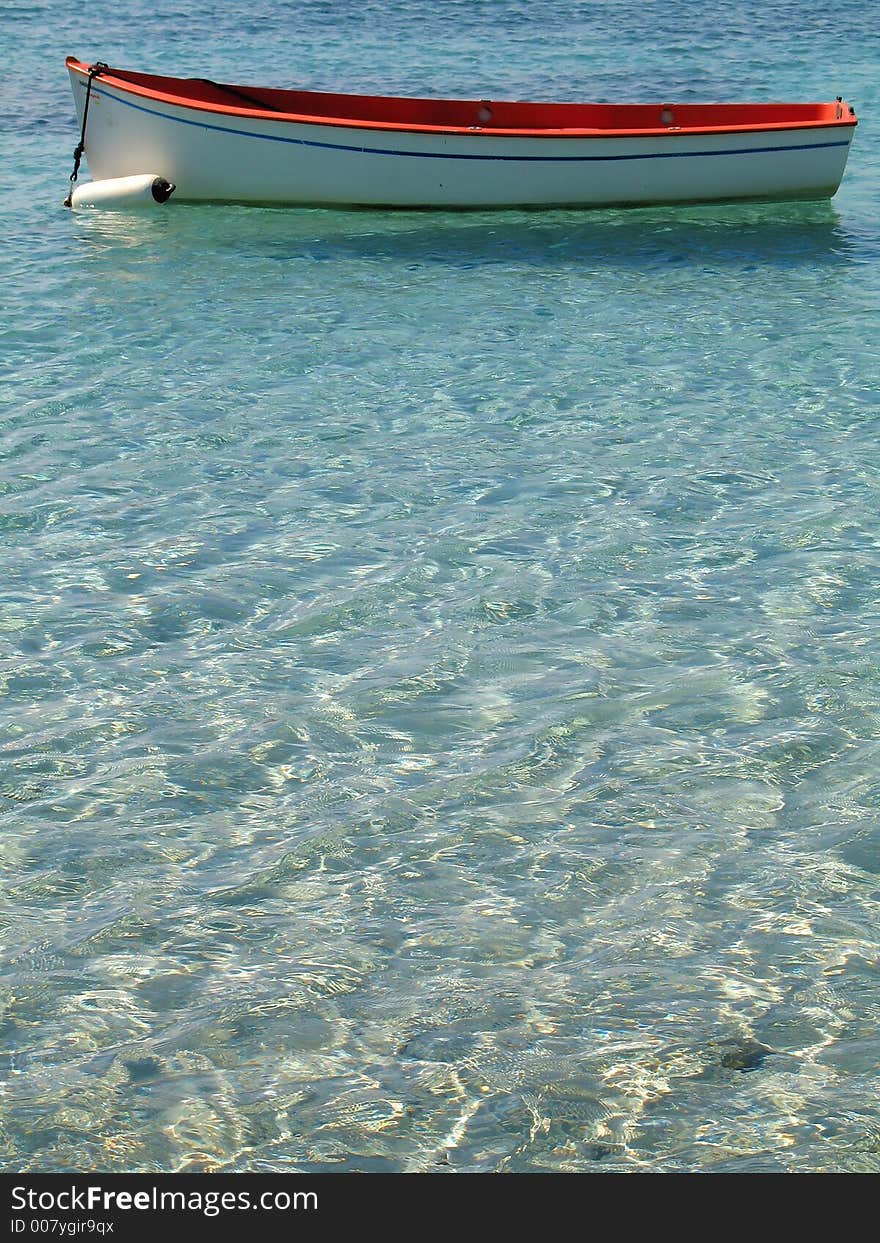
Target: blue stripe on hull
{"x": 443, "y": 155}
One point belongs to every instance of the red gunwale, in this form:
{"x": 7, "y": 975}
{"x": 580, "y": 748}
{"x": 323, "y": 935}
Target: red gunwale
{"x": 186, "y": 94}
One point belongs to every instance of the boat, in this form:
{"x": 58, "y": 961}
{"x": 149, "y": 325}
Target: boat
{"x": 215, "y": 142}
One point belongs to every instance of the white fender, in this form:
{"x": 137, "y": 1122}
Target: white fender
{"x": 121, "y": 193}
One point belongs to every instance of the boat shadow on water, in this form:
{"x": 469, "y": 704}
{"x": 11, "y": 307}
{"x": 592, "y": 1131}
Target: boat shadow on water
{"x": 767, "y": 234}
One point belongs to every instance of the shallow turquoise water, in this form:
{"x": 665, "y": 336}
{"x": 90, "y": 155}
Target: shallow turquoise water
{"x": 439, "y": 653}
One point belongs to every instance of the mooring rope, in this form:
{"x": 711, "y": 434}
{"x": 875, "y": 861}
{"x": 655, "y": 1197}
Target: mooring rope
{"x": 262, "y": 104}
{"x": 94, "y": 70}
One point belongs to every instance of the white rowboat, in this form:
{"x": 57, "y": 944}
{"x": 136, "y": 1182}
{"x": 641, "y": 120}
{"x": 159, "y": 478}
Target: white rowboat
{"x": 225, "y": 143}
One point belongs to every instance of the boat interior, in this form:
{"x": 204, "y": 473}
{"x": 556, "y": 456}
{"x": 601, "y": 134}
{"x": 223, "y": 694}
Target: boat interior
{"x": 477, "y": 114}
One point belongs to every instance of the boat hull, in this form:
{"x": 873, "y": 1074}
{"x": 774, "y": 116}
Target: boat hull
{"x": 211, "y": 156}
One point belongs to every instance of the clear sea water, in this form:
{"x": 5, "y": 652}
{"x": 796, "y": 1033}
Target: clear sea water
{"x": 440, "y": 654}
